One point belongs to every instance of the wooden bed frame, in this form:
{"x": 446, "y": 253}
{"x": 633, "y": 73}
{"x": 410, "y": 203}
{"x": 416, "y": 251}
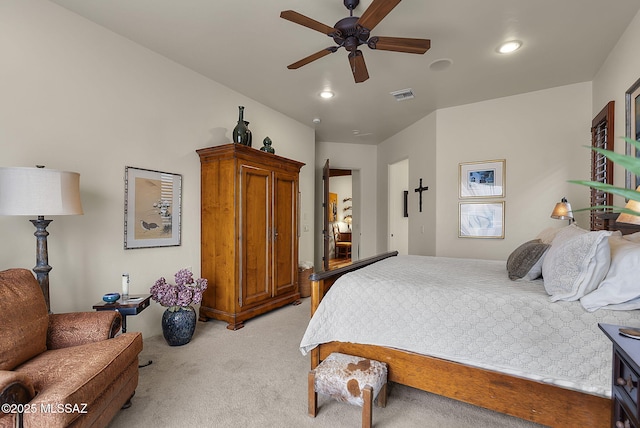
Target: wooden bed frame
{"x": 535, "y": 401}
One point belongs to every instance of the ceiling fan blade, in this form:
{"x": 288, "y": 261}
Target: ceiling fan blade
{"x": 305, "y": 21}
{"x": 400, "y": 44}
{"x": 312, "y": 57}
{"x": 358, "y": 67}
{"x": 376, "y": 12}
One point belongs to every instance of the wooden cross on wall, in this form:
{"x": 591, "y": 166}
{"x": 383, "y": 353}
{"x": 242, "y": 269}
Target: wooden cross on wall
{"x": 421, "y": 189}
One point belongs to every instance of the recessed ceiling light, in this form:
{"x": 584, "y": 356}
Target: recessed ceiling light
{"x": 326, "y": 94}
{"x": 510, "y": 46}
{"x": 440, "y": 64}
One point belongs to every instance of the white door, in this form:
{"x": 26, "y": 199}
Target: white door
{"x": 398, "y": 227}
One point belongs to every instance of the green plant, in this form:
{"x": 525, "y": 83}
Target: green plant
{"x": 628, "y": 162}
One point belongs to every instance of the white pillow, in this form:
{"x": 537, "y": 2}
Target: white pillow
{"x": 574, "y": 267}
{"x": 536, "y": 270}
{"x": 550, "y": 233}
{"x": 634, "y": 237}
{"x": 626, "y": 306}
{"x": 622, "y": 282}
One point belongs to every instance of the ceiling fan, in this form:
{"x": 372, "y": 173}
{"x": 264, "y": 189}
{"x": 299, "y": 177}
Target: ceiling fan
{"x": 353, "y": 31}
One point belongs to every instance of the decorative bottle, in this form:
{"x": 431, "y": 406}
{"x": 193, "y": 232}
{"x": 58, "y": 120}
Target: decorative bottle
{"x": 125, "y": 286}
{"x": 240, "y": 135}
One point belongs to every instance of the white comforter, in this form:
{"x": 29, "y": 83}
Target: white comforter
{"x": 468, "y": 311}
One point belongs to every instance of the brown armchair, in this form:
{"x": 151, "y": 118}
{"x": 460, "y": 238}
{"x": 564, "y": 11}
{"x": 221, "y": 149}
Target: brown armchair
{"x": 60, "y": 369}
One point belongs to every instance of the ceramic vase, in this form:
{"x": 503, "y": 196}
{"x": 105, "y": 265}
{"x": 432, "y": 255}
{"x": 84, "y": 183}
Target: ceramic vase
{"x": 178, "y": 325}
{"x": 241, "y": 134}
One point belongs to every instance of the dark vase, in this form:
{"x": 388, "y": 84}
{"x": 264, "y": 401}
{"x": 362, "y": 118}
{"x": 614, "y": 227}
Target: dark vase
{"x": 178, "y": 325}
{"x": 249, "y": 138}
{"x": 241, "y": 133}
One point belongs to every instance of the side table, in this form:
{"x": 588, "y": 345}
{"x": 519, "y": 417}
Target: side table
{"x": 131, "y": 306}
{"x": 626, "y": 369}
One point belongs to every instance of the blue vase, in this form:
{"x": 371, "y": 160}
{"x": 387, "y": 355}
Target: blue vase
{"x": 178, "y": 325}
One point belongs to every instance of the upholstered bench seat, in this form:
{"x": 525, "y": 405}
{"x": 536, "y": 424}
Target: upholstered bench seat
{"x": 351, "y": 379}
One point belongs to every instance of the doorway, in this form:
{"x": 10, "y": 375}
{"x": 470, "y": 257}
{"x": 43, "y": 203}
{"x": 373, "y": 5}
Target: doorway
{"x": 398, "y": 216}
{"x": 340, "y": 241}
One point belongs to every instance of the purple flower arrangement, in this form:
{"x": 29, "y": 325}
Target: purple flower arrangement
{"x": 186, "y": 291}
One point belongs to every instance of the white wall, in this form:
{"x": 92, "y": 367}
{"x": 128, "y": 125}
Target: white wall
{"x": 540, "y": 134}
{"x": 619, "y": 72}
{"x": 418, "y": 144}
{"x": 78, "y": 97}
{"x": 362, "y": 159}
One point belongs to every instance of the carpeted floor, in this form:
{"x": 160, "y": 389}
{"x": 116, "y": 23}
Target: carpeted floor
{"x": 257, "y": 377}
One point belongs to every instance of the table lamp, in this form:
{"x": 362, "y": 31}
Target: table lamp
{"x": 562, "y": 211}
{"x": 630, "y": 218}
{"x": 40, "y": 192}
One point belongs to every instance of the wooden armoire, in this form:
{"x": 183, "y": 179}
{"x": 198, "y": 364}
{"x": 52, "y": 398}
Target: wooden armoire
{"x": 249, "y": 238}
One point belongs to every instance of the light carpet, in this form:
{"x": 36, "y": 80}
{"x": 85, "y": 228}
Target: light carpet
{"x": 257, "y": 377}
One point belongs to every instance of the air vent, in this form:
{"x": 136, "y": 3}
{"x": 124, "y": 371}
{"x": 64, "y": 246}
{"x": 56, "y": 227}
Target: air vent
{"x": 403, "y": 94}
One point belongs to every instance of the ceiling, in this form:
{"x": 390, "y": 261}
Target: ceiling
{"x": 246, "y": 46}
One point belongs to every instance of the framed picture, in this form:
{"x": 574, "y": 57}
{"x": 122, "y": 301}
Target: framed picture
{"x": 632, "y": 110}
{"x": 152, "y": 203}
{"x": 483, "y": 179}
{"x": 481, "y": 220}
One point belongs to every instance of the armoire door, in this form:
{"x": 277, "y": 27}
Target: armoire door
{"x": 285, "y": 235}
{"x": 255, "y": 234}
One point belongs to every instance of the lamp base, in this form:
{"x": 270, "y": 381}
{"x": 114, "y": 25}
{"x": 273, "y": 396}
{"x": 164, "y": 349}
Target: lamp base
{"x": 42, "y": 267}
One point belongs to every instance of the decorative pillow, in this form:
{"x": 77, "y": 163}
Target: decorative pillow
{"x": 620, "y": 285}
{"x": 524, "y": 258}
{"x": 547, "y": 235}
{"x": 536, "y": 270}
{"x": 567, "y": 233}
{"x": 574, "y": 267}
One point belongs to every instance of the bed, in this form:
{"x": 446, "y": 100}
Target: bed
{"x": 515, "y": 351}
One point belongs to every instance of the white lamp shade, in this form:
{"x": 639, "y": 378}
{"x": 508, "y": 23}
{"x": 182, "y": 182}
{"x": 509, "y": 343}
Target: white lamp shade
{"x": 39, "y": 192}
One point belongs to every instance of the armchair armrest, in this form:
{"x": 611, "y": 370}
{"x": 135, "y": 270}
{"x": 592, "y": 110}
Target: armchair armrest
{"x": 15, "y": 388}
{"x": 78, "y": 328}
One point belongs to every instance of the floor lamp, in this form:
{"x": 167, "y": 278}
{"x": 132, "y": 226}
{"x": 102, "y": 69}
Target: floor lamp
{"x": 40, "y": 192}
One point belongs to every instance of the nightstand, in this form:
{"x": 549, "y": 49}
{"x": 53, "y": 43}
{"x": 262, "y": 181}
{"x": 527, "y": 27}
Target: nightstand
{"x": 624, "y": 391}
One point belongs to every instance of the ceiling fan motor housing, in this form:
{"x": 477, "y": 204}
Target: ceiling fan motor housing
{"x": 351, "y": 4}
{"x": 349, "y": 34}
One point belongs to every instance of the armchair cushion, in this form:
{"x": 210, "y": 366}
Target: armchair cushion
{"x": 81, "y": 375}
{"x": 23, "y": 318}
